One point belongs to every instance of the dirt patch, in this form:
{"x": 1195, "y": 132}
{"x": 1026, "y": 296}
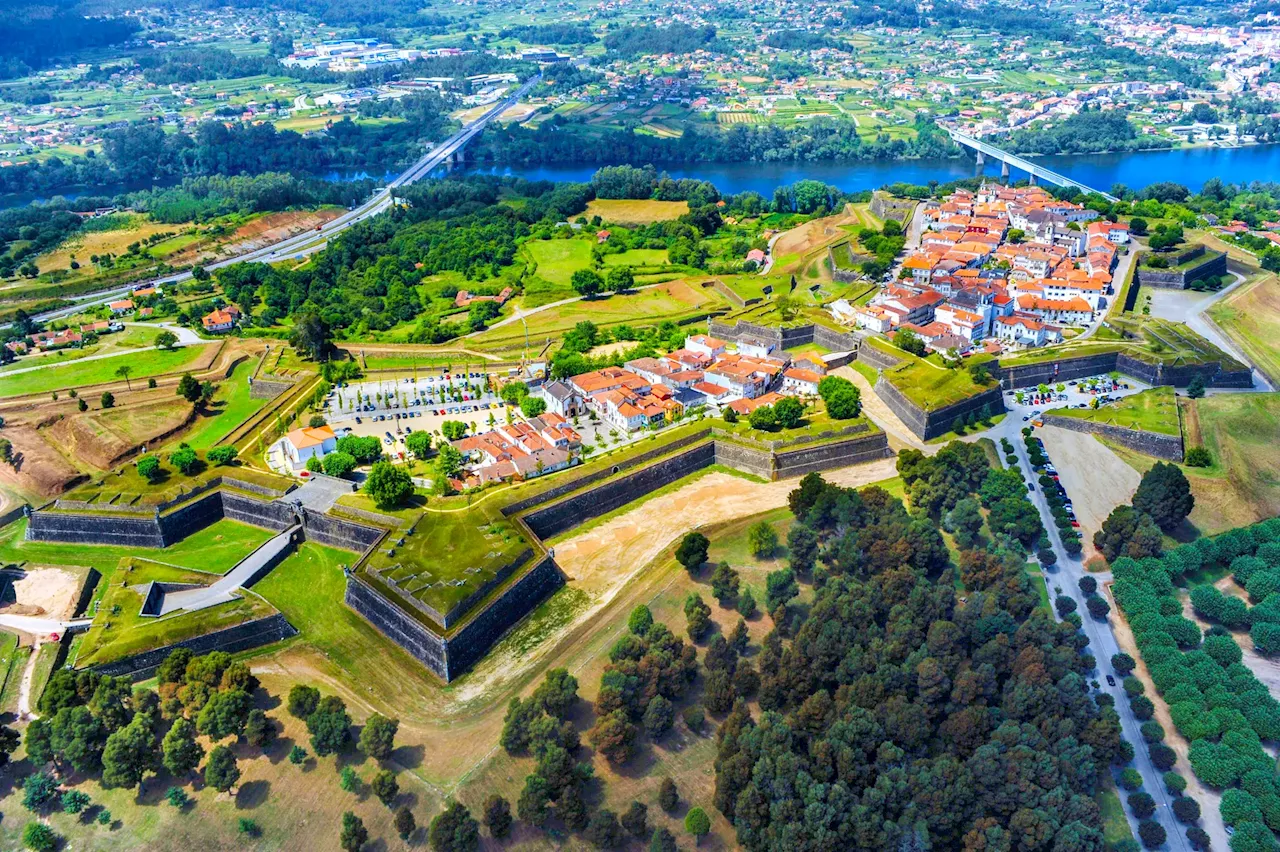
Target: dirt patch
{"x": 47, "y": 592}
{"x": 1097, "y": 480}
{"x": 259, "y": 233}
{"x": 106, "y": 437}
{"x": 1210, "y": 800}
{"x": 38, "y": 468}
{"x": 810, "y": 235}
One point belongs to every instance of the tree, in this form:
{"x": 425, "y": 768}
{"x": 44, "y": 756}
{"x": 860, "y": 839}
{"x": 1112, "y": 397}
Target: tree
{"x": 1195, "y": 389}
{"x": 297, "y": 755}
{"x": 534, "y": 800}
{"x": 149, "y": 468}
{"x": 130, "y": 753}
{"x": 303, "y": 700}
{"x": 74, "y": 801}
{"x": 39, "y": 837}
{"x": 697, "y": 823}
{"x": 377, "y": 738}
{"x": 311, "y": 336}
{"x": 405, "y": 824}
{"x": 1142, "y": 805}
{"x": 762, "y": 539}
{"x": 532, "y": 406}
{"x": 614, "y": 736}
{"x": 747, "y": 603}
{"x": 1152, "y": 833}
{"x": 185, "y": 460}
{"x": 729, "y": 415}
{"x": 123, "y": 372}
{"x": 1138, "y": 225}
{"x": 259, "y": 730}
{"x": 557, "y": 693}
{"x": 166, "y": 340}
{"x": 454, "y": 830}
{"x": 38, "y": 790}
{"x": 1186, "y": 809}
{"x": 221, "y": 455}
{"x": 354, "y": 834}
{"x": 221, "y": 772}
{"x": 1198, "y": 457}
{"x": 698, "y": 616}
{"x": 780, "y": 587}
{"x": 586, "y": 282}
{"x": 662, "y": 841}
{"x": 725, "y": 582}
{"x": 764, "y": 419}
{"x": 659, "y": 716}
{"x": 692, "y": 551}
{"x": 909, "y": 341}
{"x": 497, "y": 816}
{"x": 1097, "y": 606}
{"x": 640, "y": 620}
{"x": 189, "y": 388}
{"x": 329, "y": 726}
{"x": 636, "y": 820}
{"x": 388, "y": 485}
{"x": 339, "y": 463}
{"x": 603, "y": 830}
{"x": 418, "y": 443}
{"x": 668, "y": 795}
{"x": 108, "y": 399}
{"x": 385, "y": 786}
{"x": 225, "y": 714}
{"x": 1165, "y": 494}
{"x": 1128, "y": 532}
{"x": 789, "y": 412}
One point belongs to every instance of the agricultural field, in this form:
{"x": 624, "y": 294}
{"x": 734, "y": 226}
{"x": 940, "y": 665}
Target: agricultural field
{"x": 557, "y": 260}
{"x": 1154, "y": 410}
{"x": 623, "y": 211}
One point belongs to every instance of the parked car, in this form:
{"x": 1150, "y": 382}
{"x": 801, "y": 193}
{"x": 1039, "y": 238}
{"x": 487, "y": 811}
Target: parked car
{"x": 1111, "y": 681}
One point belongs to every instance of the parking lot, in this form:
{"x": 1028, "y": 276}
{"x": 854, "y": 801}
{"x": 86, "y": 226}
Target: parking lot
{"x": 1076, "y": 393}
{"x": 389, "y": 410}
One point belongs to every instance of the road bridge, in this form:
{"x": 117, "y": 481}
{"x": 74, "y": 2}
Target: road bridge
{"x": 984, "y": 150}
{"x": 309, "y": 242}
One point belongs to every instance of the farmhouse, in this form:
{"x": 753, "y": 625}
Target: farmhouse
{"x": 221, "y": 319}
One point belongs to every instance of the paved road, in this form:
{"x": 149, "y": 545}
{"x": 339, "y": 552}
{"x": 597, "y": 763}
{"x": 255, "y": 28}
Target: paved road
{"x": 38, "y": 626}
{"x": 308, "y": 242}
{"x": 1102, "y": 644}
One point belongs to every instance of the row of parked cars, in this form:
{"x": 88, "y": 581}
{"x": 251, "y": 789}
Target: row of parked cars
{"x": 1047, "y": 469}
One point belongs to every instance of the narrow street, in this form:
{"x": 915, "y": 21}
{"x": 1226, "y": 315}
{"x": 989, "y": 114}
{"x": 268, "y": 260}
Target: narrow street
{"x": 1102, "y": 644}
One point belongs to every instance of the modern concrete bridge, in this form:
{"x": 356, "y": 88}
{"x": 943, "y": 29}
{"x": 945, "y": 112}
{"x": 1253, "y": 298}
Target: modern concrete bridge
{"x": 984, "y": 150}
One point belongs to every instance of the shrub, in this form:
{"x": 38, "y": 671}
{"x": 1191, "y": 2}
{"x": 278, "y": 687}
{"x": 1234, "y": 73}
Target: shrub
{"x": 1152, "y": 833}
{"x": 1186, "y": 809}
{"x": 1198, "y": 457}
{"x": 39, "y": 837}
{"x": 1174, "y": 782}
{"x": 1142, "y": 805}
{"x": 1130, "y": 778}
{"x": 668, "y": 796}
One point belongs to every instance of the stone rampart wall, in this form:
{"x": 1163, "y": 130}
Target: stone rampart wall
{"x": 276, "y": 517}
{"x": 76, "y": 528}
{"x": 555, "y": 518}
{"x": 268, "y": 389}
{"x": 757, "y": 462}
{"x": 837, "y": 341}
{"x": 242, "y": 637}
{"x": 1049, "y": 372}
{"x": 477, "y": 636}
{"x": 398, "y": 626}
{"x": 195, "y": 515}
{"x": 1150, "y": 443}
{"x": 336, "y": 532}
{"x": 828, "y": 456}
{"x": 873, "y": 357}
{"x": 604, "y": 473}
{"x": 1180, "y": 279}
{"x": 931, "y": 424}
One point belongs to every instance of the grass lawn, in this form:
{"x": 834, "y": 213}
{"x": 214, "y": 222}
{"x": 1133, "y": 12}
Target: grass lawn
{"x": 1154, "y": 410}
{"x": 449, "y": 555}
{"x": 557, "y": 260}
{"x": 817, "y": 426}
{"x": 1250, "y": 316}
{"x": 74, "y": 374}
{"x": 126, "y": 487}
{"x": 231, "y": 406}
{"x": 625, "y": 211}
{"x": 637, "y": 257}
{"x": 1115, "y": 826}
{"x": 1242, "y": 486}
{"x": 119, "y": 630}
{"x": 10, "y": 673}
{"x": 925, "y": 381}
{"x": 673, "y": 300}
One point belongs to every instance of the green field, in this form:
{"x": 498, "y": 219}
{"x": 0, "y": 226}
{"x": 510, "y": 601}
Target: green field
{"x": 1154, "y": 410}
{"x": 557, "y": 260}
{"x": 230, "y": 407}
{"x": 637, "y": 257}
{"x": 126, "y": 487}
{"x": 75, "y": 374}
{"x": 925, "y": 381}
{"x": 1250, "y": 316}
{"x": 119, "y": 630}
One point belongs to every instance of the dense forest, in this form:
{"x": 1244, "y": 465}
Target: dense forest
{"x": 560, "y": 141}
{"x": 643, "y": 40}
{"x": 897, "y": 717}
{"x": 1086, "y": 132}
{"x": 34, "y": 33}
{"x": 573, "y": 34}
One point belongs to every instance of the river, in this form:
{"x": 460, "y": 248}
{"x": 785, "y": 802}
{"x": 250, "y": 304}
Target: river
{"x": 1190, "y": 167}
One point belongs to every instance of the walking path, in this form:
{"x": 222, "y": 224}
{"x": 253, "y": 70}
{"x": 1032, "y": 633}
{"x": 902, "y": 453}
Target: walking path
{"x": 37, "y": 626}
{"x": 24, "y": 688}
{"x": 186, "y": 337}
{"x": 244, "y": 574}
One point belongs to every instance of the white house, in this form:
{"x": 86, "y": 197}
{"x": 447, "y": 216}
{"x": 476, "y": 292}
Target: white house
{"x": 705, "y": 345}
{"x": 301, "y": 444}
{"x": 798, "y": 382}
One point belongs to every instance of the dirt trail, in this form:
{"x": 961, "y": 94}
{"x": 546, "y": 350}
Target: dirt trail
{"x": 604, "y": 559}
{"x": 874, "y": 407}
{"x": 1210, "y": 800}
{"x": 1097, "y": 480}
{"x": 24, "y": 689}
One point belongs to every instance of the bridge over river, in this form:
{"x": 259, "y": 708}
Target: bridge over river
{"x": 1007, "y": 160}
